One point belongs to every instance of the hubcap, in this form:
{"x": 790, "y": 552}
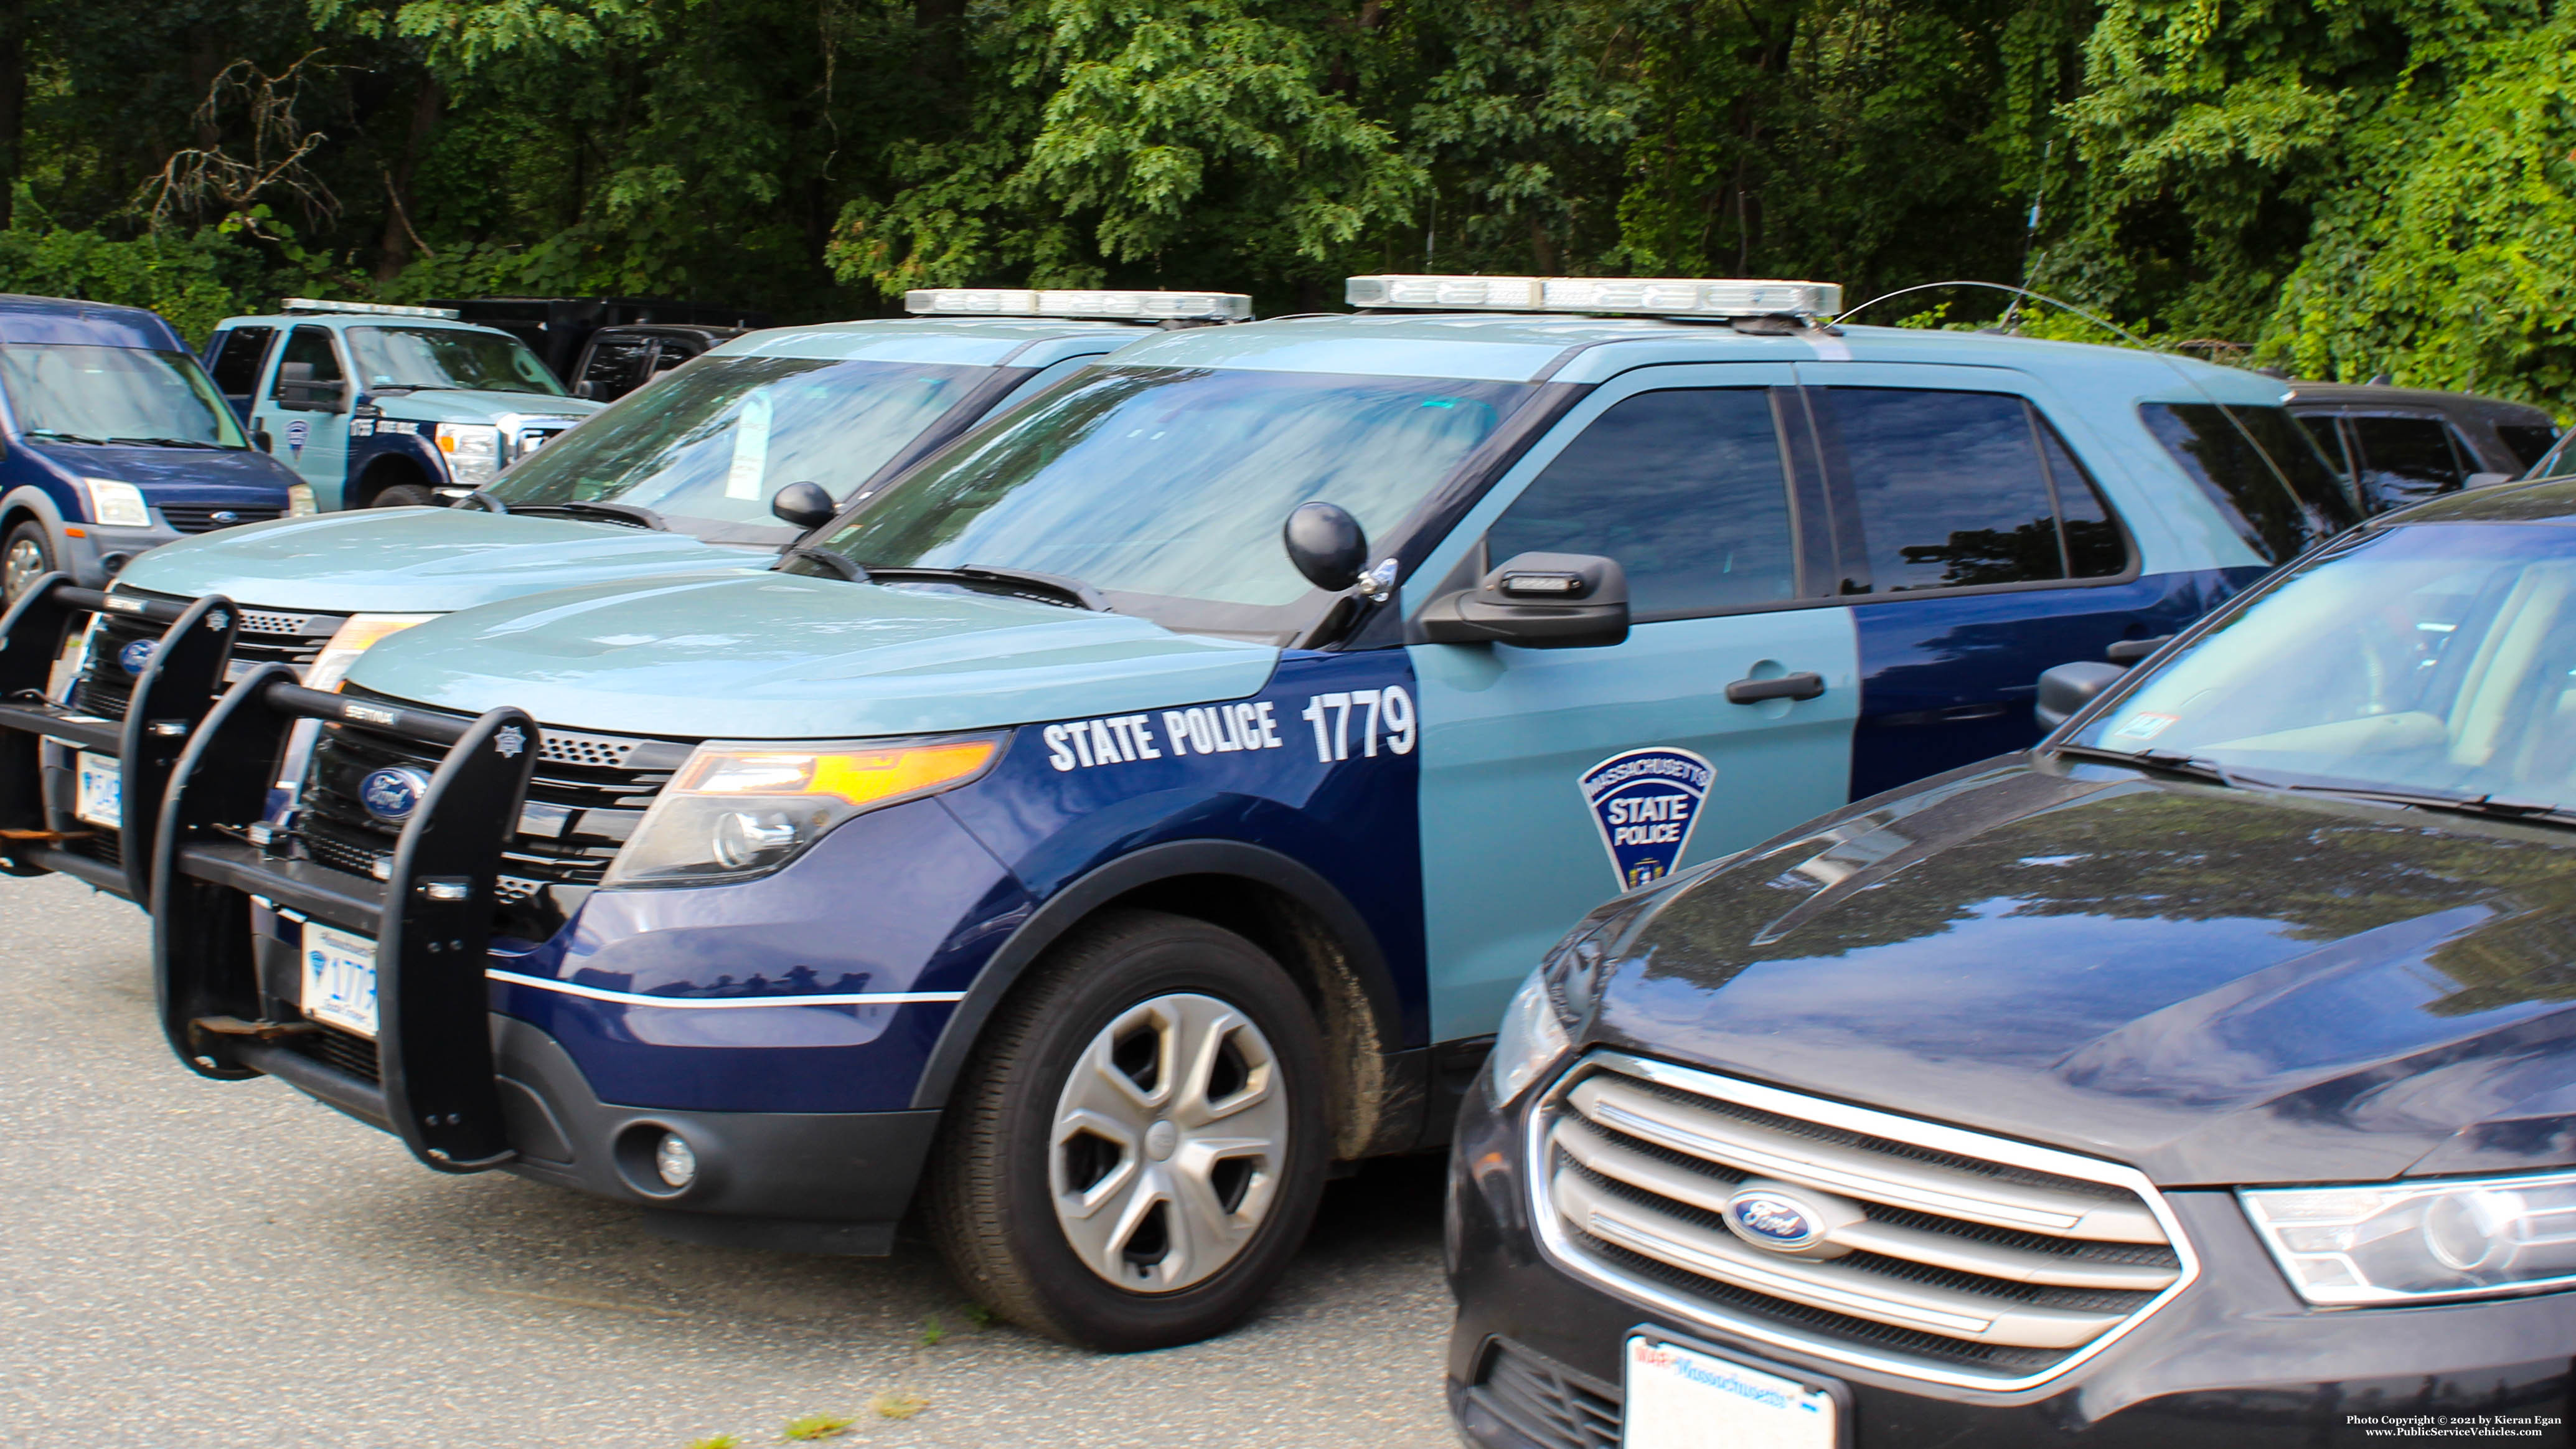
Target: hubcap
{"x": 1169, "y": 1139}
{"x": 25, "y": 565}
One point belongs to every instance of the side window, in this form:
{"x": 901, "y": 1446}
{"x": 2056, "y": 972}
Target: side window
{"x": 2326, "y": 430}
{"x": 238, "y": 360}
{"x": 1684, "y": 488}
{"x": 1948, "y": 487}
{"x": 310, "y": 358}
{"x": 2095, "y": 547}
{"x": 2259, "y": 469}
{"x": 617, "y": 366}
{"x": 2404, "y": 460}
{"x": 2528, "y": 440}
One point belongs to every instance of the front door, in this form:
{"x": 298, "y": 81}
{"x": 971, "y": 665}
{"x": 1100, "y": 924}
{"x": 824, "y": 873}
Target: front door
{"x": 1553, "y": 778}
{"x": 305, "y": 431}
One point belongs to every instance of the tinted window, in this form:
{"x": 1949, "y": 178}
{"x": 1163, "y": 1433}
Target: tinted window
{"x": 2327, "y": 434}
{"x": 1683, "y": 488}
{"x": 237, "y": 362}
{"x": 2403, "y": 460}
{"x": 1948, "y": 485}
{"x": 2528, "y": 440}
{"x": 617, "y": 367}
{"x": 2095, "y": 548}
{"x": 2260, "y": 470}
{"x": 309, "y": 358}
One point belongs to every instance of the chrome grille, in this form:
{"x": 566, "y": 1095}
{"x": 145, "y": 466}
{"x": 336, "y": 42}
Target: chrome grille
{"x": 1943, "y": 1254}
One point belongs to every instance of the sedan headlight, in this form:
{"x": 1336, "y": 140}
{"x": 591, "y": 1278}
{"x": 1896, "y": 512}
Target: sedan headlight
{"x": 119, "y": 505}
{"x": 472, "y": 450}
{"x": 1537, "y": 1027}
{"x": 737, "y": 811}
{"x": 2407, "y": 1242}
{"x": 355, "y": 636}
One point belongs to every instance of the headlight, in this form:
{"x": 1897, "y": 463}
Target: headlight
{"x": 2406, "y": 1242}
{"x": 299, "y": 500}
{"x": 360, "y": 633}
{"x": 736, "y": 811}
{"x": 473, "y": 451}
{"x": 119, "y": 505}
{"x": 1554, "y": 1000}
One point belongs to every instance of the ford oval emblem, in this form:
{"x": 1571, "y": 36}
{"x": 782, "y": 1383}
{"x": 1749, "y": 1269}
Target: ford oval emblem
{"x": 392, "y": 794}
{"x": 134, "y": 656}
{"x": 1767, "y": 1218}
{"x": 226, "y": 516}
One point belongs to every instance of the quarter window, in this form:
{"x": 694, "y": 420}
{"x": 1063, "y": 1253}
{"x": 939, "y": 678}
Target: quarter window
{"x": 1950, "y": 489}
{"x": 1684, "y": 488}
{"x": 2528, "y": 440}
{"x": 2259, "y": 469}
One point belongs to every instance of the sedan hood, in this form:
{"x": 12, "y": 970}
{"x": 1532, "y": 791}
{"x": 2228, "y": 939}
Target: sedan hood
{"x": 418, "y": 560}
{"x": 784, "y": 656}
{"x": 2218, "y": 986}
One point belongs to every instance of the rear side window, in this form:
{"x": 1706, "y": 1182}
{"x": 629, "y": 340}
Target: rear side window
{"x": 238, "y": 356}
{"x": 2528, "y": 440}
{"x": 618, "y": 366}
{"x": 1684, "y": 488}
{"x": 2259, "y": 469}
{"x": 1961, "y": 489}
{"x": 2403, "y": 460}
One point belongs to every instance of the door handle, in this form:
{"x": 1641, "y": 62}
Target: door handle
{"x": 1803, "y": 685}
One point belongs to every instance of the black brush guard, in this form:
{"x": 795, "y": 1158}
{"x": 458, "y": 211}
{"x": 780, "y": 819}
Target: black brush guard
{"x": 431, "y": 917}
{"x": 171, "y": 698}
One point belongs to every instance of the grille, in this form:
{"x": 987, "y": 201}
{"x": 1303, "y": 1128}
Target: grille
{"x": 1944, "y": 1254}
{"x": 1544, "y": 1402}
{"x": 342, "y": 1051}
{"x": 98, "y": 845}
{"x": 266, "y": 636}
{"x": 203, "y": 517}
{"x": 530, "y": 439}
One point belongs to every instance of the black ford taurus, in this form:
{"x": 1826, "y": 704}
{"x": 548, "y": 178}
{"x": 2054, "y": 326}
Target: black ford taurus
{"x": 2207, "y": 1075}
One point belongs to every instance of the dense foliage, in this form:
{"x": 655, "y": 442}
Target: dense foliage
{"x": 2352, "y": 186}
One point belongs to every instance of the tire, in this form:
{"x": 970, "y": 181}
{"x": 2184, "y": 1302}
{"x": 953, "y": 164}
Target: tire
{"x": 404, "y": 495}
{"x": 27, "y": 556}
{"x": 1019, "y": 1161}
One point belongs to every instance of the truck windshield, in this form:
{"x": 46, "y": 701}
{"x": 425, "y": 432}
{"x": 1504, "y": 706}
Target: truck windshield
{"x": 2436, "y": 659}
{"x": 73, "y": 393}
{"x": 448, "y": 357}
{"x": 718, "y": 438}
{"x": 1165, "y": 488}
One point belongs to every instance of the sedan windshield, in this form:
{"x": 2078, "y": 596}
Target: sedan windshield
{"x": 1165, "y": 488}
{"x": 81, "y": 394}
{"x": 2434, "y": 659}
{"x": 447, "y": 357}
{"x": 718, "y": 438}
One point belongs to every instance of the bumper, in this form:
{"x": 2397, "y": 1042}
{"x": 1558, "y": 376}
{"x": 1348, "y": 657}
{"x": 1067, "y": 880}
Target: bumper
{"x": 2235, "y": 1360}
{"x": 102, "y": 551}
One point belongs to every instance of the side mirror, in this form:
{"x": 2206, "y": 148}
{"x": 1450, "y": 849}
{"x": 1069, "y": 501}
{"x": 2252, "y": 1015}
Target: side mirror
{"x": 805, "y": 505}
{"x": 1538, "y": 601}
{"x": 2070, "y": 687}
{"x": 586, "y": 390}
{"x": 2481, "y": 480}
{"x": 1326, "y": 544}
{"x": 260, "y": 439}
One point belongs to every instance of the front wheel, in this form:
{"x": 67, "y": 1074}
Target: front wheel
{"x": 404, "y": 495}
{"x": 25, "y": 558}
{"x": 1137, "y": 1148}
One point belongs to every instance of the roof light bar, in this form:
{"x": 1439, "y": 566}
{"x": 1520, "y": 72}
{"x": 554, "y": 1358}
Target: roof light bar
{"x": 1106, "y": 306}
{"x": 1657, "y": 296}
{"x": 372, "y": 309}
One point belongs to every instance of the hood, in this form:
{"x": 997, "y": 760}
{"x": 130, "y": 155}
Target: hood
{"x": 418, "y": 560}
{"x": 2217, "y": 986}
{"x": 468, "y": 405}
{"x": 782, "y": 656}
{"x": 242, "y": 476}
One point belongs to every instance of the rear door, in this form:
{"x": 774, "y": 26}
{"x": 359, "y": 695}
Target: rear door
{"x": 1552, "y": 778}
{"x": 2403, "y": 458}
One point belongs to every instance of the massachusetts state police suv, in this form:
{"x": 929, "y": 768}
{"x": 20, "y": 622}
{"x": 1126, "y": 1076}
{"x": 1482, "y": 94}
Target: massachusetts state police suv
{"x": 1155, "y": 797}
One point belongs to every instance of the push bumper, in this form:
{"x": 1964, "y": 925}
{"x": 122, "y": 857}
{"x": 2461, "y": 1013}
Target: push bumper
{"x": 2236, "y": 1359}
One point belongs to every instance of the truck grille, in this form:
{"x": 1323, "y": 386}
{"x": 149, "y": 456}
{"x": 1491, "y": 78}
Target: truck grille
{"x": 266, "y": 635}
{"x": 589, "y": 793}
{"x": 205, "y": 517}
{"x": 1947, "y": 1255}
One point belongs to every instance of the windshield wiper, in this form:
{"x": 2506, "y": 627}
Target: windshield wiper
{"x": 1055, "y": 587}
{"x": 168, "y": 442}
{"x": 2190, "y": 767}
{"x": 629, "y": 513}
{"x": 830, "y": 562}
{"x": 59, "y": 435}
{"x": 2485, "y": 806}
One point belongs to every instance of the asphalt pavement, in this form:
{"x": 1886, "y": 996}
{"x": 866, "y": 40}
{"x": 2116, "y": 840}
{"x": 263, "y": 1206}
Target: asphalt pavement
{"x": 188, "y": 1264}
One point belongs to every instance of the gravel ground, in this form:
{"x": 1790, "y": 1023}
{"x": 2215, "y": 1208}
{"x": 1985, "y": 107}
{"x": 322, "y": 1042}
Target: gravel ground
{"x": 189, "y": 1263}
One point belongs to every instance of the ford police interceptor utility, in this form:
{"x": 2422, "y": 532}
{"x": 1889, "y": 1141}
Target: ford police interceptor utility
{"x": 1155, "y": 797}
{"x": 717, "y": 466}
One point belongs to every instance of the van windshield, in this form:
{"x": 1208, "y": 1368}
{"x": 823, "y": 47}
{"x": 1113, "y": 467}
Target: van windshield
{"x": 717, "y": 439}
{"x": 447, "y": 357}
{"x": 1165, "y": 488}
{"x": 76, "y": 393}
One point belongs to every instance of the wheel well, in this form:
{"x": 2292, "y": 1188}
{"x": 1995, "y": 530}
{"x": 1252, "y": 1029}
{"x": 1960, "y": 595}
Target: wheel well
{"x": 386, "y": 473}
{"x": 10, "y": 520}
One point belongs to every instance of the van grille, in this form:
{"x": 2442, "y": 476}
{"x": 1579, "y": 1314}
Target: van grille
{"x": 1946, "y": 1255}
{"x": 206, "y": 517}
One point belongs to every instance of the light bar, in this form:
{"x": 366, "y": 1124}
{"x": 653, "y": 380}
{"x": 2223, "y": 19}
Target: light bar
{"x": 1656, "y": 296}
{"x": 372, "y": 309}
{"x": 1106, "y": 306}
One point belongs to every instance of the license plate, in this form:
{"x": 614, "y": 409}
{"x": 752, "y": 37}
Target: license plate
{"x": 1680, "y": 1398}
{"x": 99, "y": 798}
{"x": 340, "y": 979}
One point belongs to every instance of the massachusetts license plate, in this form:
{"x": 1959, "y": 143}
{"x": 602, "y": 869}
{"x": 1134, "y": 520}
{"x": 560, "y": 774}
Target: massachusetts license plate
{"x": 97, "y": 798}
{"x": 340, "y": 979}
{"x": 1680, "y": 1398}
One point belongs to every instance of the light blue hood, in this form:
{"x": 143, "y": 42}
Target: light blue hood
{"x": 784, "y": 656}
{"x": 418, "y": 560}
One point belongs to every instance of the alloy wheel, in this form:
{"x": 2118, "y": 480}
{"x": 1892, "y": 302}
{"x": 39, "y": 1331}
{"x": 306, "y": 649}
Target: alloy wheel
{"x": 25, "y": 564}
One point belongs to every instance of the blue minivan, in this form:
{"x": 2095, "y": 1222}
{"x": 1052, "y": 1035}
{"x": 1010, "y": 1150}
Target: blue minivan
{"x": 113, "y": 441}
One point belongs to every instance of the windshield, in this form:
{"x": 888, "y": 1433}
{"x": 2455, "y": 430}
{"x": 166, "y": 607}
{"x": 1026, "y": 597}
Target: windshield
{"x": 718, "y": 438}
{"x": 426, "y": 357}
{"x": 2432, "y": 659}
{"x": 72, "y": 393}
{"x": 1165, "y": 488}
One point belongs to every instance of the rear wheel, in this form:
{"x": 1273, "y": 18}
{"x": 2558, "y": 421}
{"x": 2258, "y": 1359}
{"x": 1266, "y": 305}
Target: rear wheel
{"x": 404, "y": 495}
{"x": 1137, "y": 1149}
{"x": 25, "y": 558}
